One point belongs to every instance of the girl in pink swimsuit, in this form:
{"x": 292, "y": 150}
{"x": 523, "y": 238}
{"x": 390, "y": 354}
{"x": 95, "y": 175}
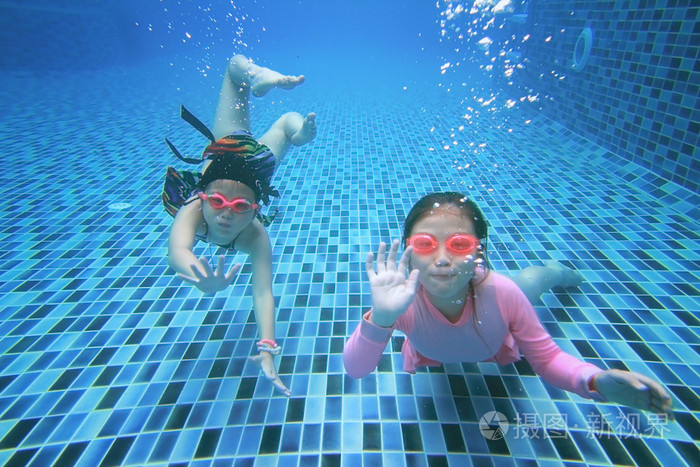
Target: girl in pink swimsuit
{"x": 453, "y": 309}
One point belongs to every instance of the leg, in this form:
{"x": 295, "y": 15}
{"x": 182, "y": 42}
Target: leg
{"x": 535, "y": 280}
{"x": 233, "y": 109}
{"x": 241, "y": 78}
{"x": 290, "y": 129}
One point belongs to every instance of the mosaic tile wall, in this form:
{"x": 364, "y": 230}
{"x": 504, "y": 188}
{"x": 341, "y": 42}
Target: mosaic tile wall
{"x": 67, "y": 35}
{"x": 106, "y": 358}
{"x": 638, "y": 95}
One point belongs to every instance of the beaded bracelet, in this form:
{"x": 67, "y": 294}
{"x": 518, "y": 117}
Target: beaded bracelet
{"x": 268, "y": 345}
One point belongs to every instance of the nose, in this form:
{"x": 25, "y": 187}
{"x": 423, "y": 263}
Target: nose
{"x": 442, "y": 257}
{"x": 227, "y": 212}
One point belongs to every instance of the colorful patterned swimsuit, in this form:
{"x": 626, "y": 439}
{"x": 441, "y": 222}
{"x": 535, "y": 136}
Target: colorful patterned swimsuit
{"x": 182, "y": 186}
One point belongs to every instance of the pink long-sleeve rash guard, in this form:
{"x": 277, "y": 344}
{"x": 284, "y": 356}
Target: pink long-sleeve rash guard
{"x": 505, "y": 324}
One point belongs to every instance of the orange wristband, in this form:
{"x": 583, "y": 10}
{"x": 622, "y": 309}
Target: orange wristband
{"x": 591, "y": 384}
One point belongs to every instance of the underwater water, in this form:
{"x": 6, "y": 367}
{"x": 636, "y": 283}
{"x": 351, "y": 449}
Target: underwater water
{"x": 108, "y": 358}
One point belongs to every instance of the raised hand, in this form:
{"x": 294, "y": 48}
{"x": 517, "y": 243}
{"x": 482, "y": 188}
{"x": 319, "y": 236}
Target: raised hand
{"x": 392, "y": 292}
{"x": 266, "y": 363}
{"x": 211, "y": 281}
{"x": 634, "y": 390}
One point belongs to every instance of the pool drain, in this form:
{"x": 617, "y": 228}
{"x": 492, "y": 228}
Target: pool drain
{"x": 582, "y": 50}
{"x": 119, "y": 206}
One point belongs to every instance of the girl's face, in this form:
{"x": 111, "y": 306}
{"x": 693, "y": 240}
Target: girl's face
{"x": 223, "y": 225}
{"x": 444, "y": 275}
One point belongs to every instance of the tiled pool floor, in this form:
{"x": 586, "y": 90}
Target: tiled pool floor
{"x": 106, "y": 358}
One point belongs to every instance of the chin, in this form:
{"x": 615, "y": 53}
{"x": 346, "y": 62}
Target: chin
{"x": 225, "y": 233}
{"x": 446, "y": 285}
{"x": 445, "y": 290}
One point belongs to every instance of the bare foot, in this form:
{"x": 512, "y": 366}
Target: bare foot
{"x": 265, "y": 79}
{"x": 567, "y": 276}
{"x": 307, "y": 132}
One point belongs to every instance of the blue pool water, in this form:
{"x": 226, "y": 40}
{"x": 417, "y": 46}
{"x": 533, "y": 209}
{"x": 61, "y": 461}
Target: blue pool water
{"x": 107, "y": 358}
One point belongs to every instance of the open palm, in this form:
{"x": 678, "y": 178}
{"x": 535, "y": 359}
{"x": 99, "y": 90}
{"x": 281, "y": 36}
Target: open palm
{"x": 211, "y": 281}
{"x": 392, "y": 291}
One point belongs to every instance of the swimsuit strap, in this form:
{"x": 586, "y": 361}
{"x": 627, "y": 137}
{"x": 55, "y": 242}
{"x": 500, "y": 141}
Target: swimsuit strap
{"x": 189, "y": 117}
{"x": 189, "y": 160}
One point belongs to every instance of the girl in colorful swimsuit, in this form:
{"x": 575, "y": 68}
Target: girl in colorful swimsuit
{"x": 222, "y": 204}
{"x": 452, "y": 308}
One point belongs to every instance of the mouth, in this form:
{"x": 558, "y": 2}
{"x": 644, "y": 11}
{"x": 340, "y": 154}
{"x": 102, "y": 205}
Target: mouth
{"x": 224, "y": 225}
{"x": 443, "y": 275}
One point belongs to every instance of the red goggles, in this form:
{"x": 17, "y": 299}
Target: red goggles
{"x": 458, "y": 244}
{"x": 219, "y": 201}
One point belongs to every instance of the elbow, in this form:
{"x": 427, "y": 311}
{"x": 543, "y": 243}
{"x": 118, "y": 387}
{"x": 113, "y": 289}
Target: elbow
{"x": 172, "y": 263}
{"x": 352, "y": 369}
{"x": 354, "y": 374}
{"x": 177, "y": 260}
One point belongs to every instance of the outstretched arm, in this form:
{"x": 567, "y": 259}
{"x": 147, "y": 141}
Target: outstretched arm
{"x": 568, "y": 372}
{"x": 257, "y": 244}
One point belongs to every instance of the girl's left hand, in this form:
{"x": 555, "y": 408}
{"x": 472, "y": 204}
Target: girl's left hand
{"x": 266, "y": 362}
{"x": 634, "y": 390}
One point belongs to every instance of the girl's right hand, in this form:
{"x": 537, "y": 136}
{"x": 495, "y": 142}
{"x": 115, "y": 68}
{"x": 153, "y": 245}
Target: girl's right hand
{"x": 210, "y": 281}
{"x": 265, "y": 361}
{"x": 392, "y": 292}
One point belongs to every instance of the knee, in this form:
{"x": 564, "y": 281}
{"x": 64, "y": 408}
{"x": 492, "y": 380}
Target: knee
{"x": 239, "y": 63}
{"x": 292, "y": 116}
{"x": 239, "y": 59}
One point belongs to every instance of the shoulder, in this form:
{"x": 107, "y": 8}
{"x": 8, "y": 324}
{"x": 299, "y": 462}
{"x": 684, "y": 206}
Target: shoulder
{"x": 189, "y": 216}
{"x": 253, "y": 239}
{"x": 511, "y": 301}
{"x": 501, "y": 284}
{"x": 191, "y": 208}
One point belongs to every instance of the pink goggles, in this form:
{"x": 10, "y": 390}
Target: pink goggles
{"x": 458, "y": 244}
{"x": 219, "y": 201}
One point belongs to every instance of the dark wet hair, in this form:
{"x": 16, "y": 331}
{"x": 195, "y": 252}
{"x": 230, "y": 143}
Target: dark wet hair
{"x": 426, "y": 205}
{"x": 240, "y": 169}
